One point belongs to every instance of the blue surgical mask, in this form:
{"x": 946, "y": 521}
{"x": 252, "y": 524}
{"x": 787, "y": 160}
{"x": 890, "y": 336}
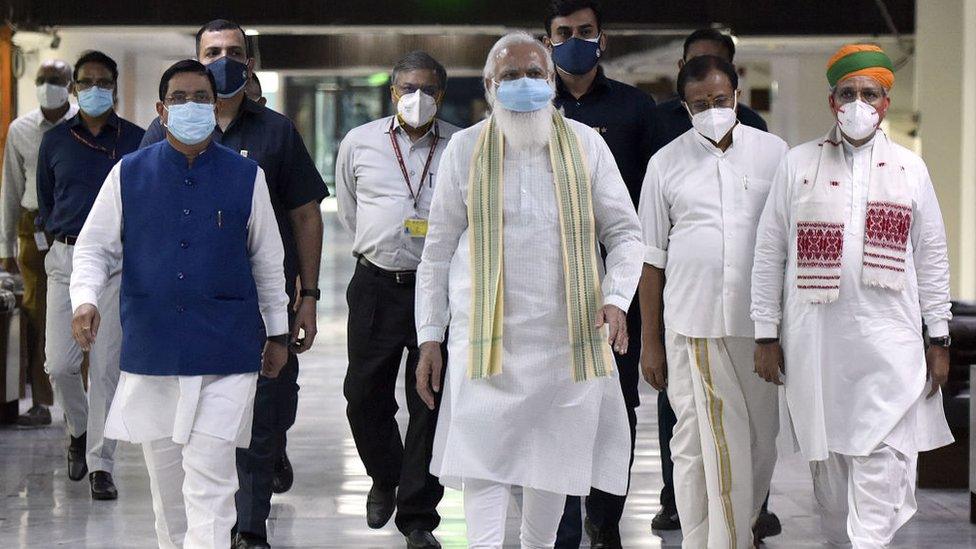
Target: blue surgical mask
{"x": 95, "y": 101}
{"x": 577, "y": 55}
{"x": 191, "y": 123}
{"x": 525, "y": 94}
{"x": 230, "y": 76}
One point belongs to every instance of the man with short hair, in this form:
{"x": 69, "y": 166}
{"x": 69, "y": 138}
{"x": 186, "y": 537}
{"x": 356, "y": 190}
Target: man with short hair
{"x": 72, "y": 163}
{"x": 296, "y": 188}
{"x": 202, "y": 282}
{"x": 851, "y": 258}
{"x": 386, "y": 175}
{"x": 624, "y": 116}
{"x": 22, "y": 246}
{"x": 511, "y": 264}
{"x": 700, "y": 206}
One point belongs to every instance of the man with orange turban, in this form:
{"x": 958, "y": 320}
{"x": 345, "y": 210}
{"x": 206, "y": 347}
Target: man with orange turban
{"x": 850, "y": 255}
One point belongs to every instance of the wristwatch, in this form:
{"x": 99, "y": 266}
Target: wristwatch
{"x": 944, "y": 341}
{"x": 315, "y": 294}
{"x": 280, "y": 339}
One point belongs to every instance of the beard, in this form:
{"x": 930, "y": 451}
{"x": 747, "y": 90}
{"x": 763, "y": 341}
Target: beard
{"x": 523, "y": 130}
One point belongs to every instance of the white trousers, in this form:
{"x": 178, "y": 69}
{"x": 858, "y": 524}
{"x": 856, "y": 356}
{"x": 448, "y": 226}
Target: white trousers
{"x": 724, "y": 443}
{"x": 193, "y": 487}
{"x": 486, "y": 509}
{"x": 83, "y": 413}
{"x": 864, "y": 500}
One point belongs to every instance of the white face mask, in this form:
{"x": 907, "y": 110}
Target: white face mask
{"x": 714, "y": 123}
{"x": 51, "y": 96}
{"x": 858, "y": 120}
{"x": 416, "y": 109}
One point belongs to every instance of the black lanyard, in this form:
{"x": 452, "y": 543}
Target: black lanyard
{"x": 96, "y": 146}
{"x": 403, "y": 167}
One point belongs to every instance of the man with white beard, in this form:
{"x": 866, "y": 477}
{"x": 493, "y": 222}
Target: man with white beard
{"x": 511, "y": 264}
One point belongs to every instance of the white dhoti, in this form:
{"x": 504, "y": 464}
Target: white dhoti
{"x": 189, "y": 428}
{"x": 724, "y": 442}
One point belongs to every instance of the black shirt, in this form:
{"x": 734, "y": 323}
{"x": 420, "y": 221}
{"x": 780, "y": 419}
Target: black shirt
{"x": 271, "y": 140}
{"x": 673, "y": 120}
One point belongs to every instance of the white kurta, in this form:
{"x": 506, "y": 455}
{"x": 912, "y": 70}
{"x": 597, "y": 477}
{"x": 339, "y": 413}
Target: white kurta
{"x": 531, "y": 425}
{"x": 855, "y": 368}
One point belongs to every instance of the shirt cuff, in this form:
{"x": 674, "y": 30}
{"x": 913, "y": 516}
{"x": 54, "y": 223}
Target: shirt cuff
{"x": 276, "y": 323}
{"x": 621, "y": 303}
{"x": 767, "y": 330}
{"x": 939, "y": 328}
{"x": 655, "y": 257}
{"x": 430, "y": 333}
{"x": 8, "y": 249}
{"x": 81, "y": 296}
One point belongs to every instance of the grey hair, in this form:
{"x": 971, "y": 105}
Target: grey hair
{"x": 511, "y": 39}
{"x": 61, "y": 66}
{"x": 420, "y": 60}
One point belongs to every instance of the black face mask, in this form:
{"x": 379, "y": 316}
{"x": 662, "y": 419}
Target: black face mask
{"x": 230, "y": 76}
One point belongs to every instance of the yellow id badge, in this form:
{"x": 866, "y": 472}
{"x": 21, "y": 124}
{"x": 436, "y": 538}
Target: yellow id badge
{"x": 415, "y": 227}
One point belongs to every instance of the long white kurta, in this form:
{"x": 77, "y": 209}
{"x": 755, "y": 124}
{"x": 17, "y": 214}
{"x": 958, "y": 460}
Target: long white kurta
{"x": 530, "y": 425}
{"x": 855, "y": 368}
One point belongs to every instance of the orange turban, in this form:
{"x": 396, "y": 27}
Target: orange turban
{"x": 861, "y": 60}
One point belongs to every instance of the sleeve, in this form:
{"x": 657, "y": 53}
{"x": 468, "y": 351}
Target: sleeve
{"x": 345, "y": 185}
{"x": 98, "y": 251}
{"x": 301, "y": 181}
{"x": 267, "y": 257}
{"x": 448, "y": 221}
{"x": 931, "y": 258}
{"x": 12, "y": 184}
{"x": 655, "y": 217}
{"x": 45, "y": 182}
{"x": 154, "y": 134}
{"x": 617, "y": 227}
{"x": 772, "y": 250}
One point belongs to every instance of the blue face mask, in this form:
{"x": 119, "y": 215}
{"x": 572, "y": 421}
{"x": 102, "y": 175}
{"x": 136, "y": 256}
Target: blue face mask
{"x": 576, "y": 55}
{"x": 191, "y": 123}
{"x": 230, "y": 76}
{"x": 524, "y": 94}
{"x": 95, "y": 101}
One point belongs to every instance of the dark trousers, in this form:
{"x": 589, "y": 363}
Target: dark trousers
{"x": 381, "y": 327}
{"x": 275, "y": 406}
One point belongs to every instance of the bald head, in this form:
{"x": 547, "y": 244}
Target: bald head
{"x": 53, "y": 71}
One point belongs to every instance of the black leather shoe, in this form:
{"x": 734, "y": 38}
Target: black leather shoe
{"x": 284, "y": 477}
{"x": 77, "y": 468}
{"x": 102, "y": 487}
{"x": 38, "y": 416}
{"x": 422, "y": 539}
{"x": 767, "y": 526}
{"x": 248, "y": 541}
{"x": 601, "y": 539}
{"x": 666, "y": 519}
{"x": 380, "y": 504}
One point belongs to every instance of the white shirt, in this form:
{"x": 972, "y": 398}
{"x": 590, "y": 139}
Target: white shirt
{"x": 699, "y": 208}
{"x": 99, "y": 251}
{"x": 18, "y": 188}
{"x": 373, "y": 197}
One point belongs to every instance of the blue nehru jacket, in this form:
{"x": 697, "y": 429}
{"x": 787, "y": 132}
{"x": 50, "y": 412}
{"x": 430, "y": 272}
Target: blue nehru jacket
{"x": 189, "y": 303}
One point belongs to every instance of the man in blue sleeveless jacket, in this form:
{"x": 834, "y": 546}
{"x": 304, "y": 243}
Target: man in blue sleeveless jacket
{"x": 203, "y": 290}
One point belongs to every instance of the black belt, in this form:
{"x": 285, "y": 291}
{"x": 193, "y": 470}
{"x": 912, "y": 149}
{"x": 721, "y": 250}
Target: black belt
{"x": 66, "y": 239}
{"x": 401, "y": 277}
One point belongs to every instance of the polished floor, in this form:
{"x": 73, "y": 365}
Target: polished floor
{"x": 41, "y": 508}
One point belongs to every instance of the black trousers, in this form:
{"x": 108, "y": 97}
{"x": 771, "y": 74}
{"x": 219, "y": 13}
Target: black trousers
{"x": 381, "y": 326}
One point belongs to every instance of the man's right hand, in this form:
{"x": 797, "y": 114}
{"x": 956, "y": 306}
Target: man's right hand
{"x": 654, "y": 365}
{"x": 9, "y": 264}
{"x": 769, "y": 361}
{"x": 429, "y": 370}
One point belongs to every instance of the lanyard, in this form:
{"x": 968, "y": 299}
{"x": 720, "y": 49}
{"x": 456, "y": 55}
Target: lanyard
{"x": 96, "y": 146}
{"x": 403, "y": 167}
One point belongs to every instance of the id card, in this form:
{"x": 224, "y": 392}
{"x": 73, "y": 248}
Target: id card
{"x": 40, "y": 240}
{"x": 415, "y": 227}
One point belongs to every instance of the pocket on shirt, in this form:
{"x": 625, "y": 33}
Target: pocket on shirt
{"x": 753, "y": 197}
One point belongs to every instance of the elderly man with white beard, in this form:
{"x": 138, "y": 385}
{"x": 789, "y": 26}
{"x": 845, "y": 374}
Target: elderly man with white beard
{"x": 511, "y": 266}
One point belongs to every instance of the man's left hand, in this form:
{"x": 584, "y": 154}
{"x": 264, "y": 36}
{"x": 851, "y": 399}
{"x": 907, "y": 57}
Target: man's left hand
{"x": 273, "y": 359}
{"x": 937, "y": 362}
{"x": 617, "y": 319}
{"x": 305, "y": 320}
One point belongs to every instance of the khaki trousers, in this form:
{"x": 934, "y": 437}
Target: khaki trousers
{"x": 30, "y": 260}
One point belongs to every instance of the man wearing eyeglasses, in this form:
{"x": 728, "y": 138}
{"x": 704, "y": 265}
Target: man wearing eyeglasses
{"x": 203, "y": 282}
{"x": 72, "y": 163}
{"x": 386, "y": 173}
{"x": 700, "y": 205}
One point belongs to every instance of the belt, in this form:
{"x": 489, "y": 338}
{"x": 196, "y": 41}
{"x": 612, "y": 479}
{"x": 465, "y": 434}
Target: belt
{"x": 66, "y": 239}
{"x": 401, "y": 277}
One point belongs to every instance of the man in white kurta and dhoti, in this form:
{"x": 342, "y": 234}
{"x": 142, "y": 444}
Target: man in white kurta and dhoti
{"x": 511, "y": 265}
{"x": 850, "y": 259}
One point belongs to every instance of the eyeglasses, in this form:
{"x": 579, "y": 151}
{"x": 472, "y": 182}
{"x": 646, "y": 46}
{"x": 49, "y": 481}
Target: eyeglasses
{"x": 180, "y": 98}
{"x": 104, "y": 83}
{"x": 850, "y": 95}
{"x": 407, "y": 89}
{"x": 720, "y": 102}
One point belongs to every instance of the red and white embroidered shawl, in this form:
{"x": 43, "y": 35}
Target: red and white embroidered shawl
{"x": 821, "y": 211}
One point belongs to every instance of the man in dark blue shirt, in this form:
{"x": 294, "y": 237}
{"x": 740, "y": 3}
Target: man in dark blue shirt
{"x": 72, "y": 163}
{"x": 624, "y": 116}
{"x": 296, "y": 189}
